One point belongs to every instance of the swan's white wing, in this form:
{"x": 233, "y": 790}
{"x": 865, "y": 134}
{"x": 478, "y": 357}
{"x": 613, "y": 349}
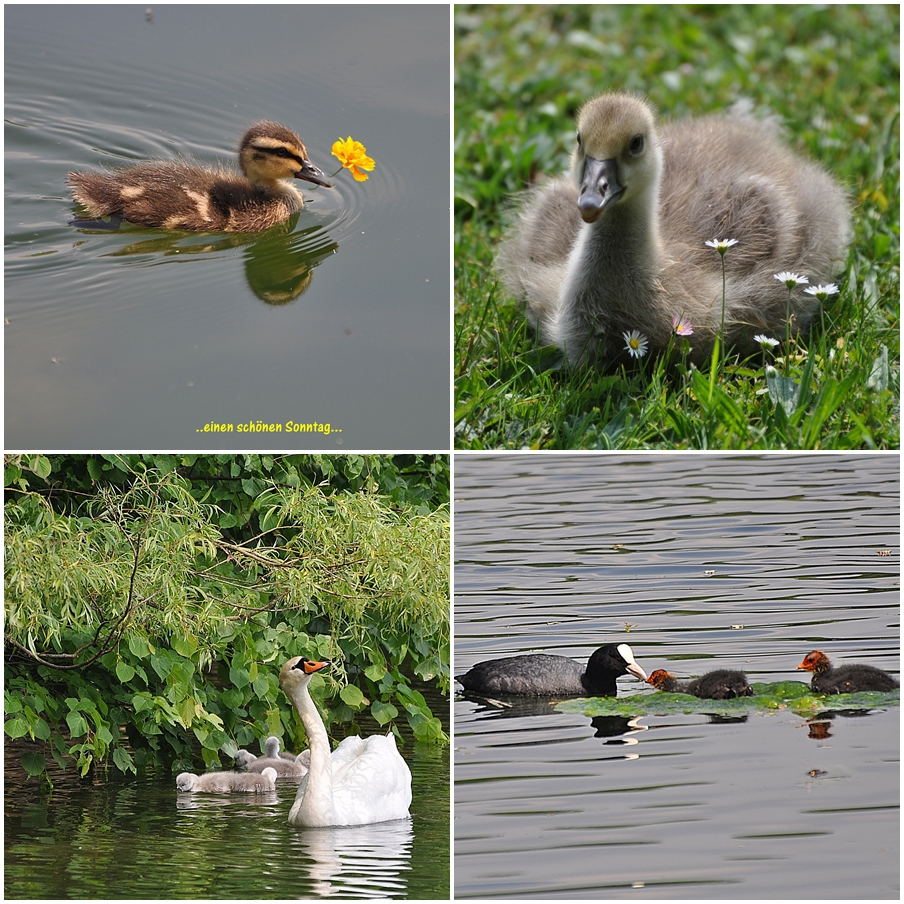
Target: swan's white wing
{"x": 371, "y": 781}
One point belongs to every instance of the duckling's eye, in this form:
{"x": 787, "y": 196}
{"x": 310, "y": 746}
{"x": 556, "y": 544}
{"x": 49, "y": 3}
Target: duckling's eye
{"x": 636, "y": 146}
{"x": 282, "y": 152}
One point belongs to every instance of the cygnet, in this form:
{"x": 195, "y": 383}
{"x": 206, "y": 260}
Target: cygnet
{"x": 227, "y": 781}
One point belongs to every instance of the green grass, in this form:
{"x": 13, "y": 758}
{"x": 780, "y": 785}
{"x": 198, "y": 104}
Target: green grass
{"x": 831, "y": 72}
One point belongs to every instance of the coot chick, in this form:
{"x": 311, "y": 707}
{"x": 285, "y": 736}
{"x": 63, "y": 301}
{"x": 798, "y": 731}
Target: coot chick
{"x": 722, "y": 684}
{"x": 663, "y": 681}
{"x": 848, "y": 679}
{"x": 543, "y": 675}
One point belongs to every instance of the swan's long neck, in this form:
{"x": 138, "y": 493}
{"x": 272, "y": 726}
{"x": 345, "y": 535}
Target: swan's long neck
{"x": 318, "y": 797}
{"x": 611, "y": 278}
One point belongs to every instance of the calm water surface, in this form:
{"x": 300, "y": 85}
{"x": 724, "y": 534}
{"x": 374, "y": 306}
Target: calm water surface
{"x": 143, "y": 338}
{"x": 712, "y": 561}
{"x": 138, "y": 838}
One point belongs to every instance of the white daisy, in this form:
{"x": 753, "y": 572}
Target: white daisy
{"x": 722, "y": 245}
{"x": 822, "y": 292}
{"x": 791, "y": 279}
{"x": 636, "y": 343}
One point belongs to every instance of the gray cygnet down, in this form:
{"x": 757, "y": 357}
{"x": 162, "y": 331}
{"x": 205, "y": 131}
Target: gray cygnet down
{"x": 227, "y": 781}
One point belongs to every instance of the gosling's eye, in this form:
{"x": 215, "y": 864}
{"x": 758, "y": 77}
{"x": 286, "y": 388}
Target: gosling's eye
{"x": 636, "y": 146}
{"x": 578, "y": 137}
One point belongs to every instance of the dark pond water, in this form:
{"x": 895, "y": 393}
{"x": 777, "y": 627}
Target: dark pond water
{"x": 136, "y": 838}
{"x": 145, "y": 337}
{"x": 699, "y": 562}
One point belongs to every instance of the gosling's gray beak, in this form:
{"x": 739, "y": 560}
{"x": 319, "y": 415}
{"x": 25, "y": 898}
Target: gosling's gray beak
{"x": 599, "y": 188}
{"x": 312, "y": 173}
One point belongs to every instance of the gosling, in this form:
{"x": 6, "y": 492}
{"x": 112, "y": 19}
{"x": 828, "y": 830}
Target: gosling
{"x": 620, "y": 246}
{"x": 178, "y": 195}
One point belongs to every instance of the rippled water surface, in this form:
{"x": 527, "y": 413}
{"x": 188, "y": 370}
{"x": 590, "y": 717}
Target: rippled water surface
{"x": 698, "y": 562}
{"x": 143, "y": 338}
{"x": 137, "y": 838}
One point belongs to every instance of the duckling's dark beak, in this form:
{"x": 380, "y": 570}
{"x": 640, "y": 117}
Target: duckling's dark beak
{"x": 599, "y": 188}
{"x": 314, "y": 174}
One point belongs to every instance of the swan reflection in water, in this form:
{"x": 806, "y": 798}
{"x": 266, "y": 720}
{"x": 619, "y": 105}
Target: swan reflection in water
{"x": 369, "y": 861}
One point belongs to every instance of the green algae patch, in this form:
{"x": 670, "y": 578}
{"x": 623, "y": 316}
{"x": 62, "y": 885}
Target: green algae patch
{"x": 782, "y": 695}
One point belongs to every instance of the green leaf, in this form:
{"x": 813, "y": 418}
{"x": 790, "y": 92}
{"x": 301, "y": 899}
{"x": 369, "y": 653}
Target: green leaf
{"x": 34, "y": 763}
{"x": 41, "y": 466}
{"x": 77, "y": 724}
{"x": 11, "y": 475}
{"x": 383, "y": 712}
{"x": 139, "y": 647}
{"x": 38, "y": 727}
{"x": 142, "y": 702}
{"x": 261, "y": 686}
{"x": 185, "y": 645}
{"x": 214, "y": 719}
{"x": 186, "y": 711}
{"x": 232, "y": 699}
{"x": 16, "y": 728}
{"x": 124, "y": 672}
{"x": 123, "y": 761}
{"x": 351, "y": 696}
{"x": 162, "y": 664}
{"x": 429, "y": 730}
{"x": 238, "y": 677}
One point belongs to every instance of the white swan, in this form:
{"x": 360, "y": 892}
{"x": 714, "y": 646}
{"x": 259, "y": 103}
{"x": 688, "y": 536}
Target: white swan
{"x": 364, "y": 780}
{"x": 621, "y": 244}
{"x": 227, "y": 781}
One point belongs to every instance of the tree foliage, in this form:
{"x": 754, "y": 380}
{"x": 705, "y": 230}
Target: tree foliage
{"x": 151, "y": 600}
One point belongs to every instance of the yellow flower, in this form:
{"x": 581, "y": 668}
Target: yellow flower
{"x": 353, "y": 156}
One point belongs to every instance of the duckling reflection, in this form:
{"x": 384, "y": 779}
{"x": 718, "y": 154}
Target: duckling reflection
{"x": 179, "y": 195}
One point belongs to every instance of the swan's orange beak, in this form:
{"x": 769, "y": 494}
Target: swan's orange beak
{"x": 311, "y": 667}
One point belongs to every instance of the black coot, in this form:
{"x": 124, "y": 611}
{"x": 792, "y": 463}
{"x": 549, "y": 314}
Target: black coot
{"x": 847, "y": 679}
{"x": 543, "y": 675}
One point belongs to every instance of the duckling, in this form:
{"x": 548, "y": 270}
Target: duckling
{"x": 620, "y": 245}
{"x": 178, "y": 195}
